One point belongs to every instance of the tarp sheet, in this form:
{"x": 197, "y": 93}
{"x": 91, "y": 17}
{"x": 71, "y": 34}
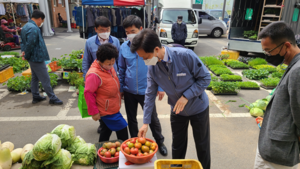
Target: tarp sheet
{"x": 113, "y": 2}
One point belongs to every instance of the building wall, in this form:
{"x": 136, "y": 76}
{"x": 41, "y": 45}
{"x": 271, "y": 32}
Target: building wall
{"x": 58, "y": 9}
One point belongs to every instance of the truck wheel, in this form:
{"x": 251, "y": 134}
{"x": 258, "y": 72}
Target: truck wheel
{"x": 244, "y": 53}
{"x": 217, "y": 33}
{"x": 7, "y": 48}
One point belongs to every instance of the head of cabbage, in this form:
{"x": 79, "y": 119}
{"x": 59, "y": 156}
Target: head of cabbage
{"x": 261, "y": 104}
{"x": 46, "y": 147}
{"x": 85, "y": 154}
{"x": 76, "y": 144}
{"x": 62, "y": 160}
{"x": 66, "y": 133}
{"x": 30, "y": 163}
{"x": 256, "y": 112}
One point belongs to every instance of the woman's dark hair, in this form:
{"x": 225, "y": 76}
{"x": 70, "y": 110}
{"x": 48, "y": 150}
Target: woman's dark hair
{"x": 102, "y": 21}
{"x": 132, "y": 20}
{"x": 147, "y": 40}
{"x": 278, "y": 32}
{"x": 37, "y": 14}
{"x": 107, "y": 51}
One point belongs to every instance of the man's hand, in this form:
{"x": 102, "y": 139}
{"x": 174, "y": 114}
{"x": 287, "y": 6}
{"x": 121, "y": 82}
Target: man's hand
{"x": 180, "y": 105}
{"x": 161, "y": 95}
{"x": 143, "y": 131}
{"x": 96, "y": 117}
{"x": 23, "y": 56}
{"x": 122, "y": 95}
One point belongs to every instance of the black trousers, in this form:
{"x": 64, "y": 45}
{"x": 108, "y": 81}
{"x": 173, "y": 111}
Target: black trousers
{"x": 105, "y": 133}
{"x": 201, "y": 133}
{"x": 181, "y": 42}
{"x": 131, "y": 106}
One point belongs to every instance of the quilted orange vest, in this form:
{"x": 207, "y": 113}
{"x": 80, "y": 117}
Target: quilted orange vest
{"x": 108, "y": 93}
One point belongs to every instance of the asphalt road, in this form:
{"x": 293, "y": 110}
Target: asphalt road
{"x": 234, "y": 134}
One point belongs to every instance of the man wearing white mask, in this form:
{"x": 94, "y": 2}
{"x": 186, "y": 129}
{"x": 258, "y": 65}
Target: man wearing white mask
{"x": 102, "y": 27}
{"x": 133, "y": 82}
{"x": 179, "y": 31}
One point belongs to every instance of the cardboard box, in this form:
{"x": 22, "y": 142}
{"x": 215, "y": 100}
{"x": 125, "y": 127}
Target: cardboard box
{"x": 123, "y": 160}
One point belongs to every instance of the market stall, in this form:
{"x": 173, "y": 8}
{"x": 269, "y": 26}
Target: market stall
{"x": 115, "y": 10}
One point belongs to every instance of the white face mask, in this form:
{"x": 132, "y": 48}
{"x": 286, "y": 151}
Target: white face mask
{"x": 151, "y": 61}
{"x": 41, "y": 24}
{"x": 104, "y": 35}
{"x": 179, "y": 22}
{"x": 131, "y": 36}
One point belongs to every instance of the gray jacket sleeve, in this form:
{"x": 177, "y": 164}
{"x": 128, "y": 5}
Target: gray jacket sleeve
{"x": 294, "y": 92}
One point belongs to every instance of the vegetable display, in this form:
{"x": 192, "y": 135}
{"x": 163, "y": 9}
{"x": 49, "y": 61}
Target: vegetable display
{"x": 62, "y": 160}
{"x": 277, "y": 75}
{"x": 5, "y": 158}
{"x": 257, "y": 61}
{"x": 226, "y": 77}
{"x": 223, "y": 57}
{"x": 85, "y": 154}
{"x": 281, "y": 68}
{"x": 76, "y": 144}
{"x": 237, "y": 65}
{"x": 110, "y": 150}
{"x": 255, "y": 74}
{"x": 66, "y": 133}
{"x": 269, "y": 68}
{"x": 30, "y": 163}
{"x": 46, "y": 147}
{"x": 247, "y": 85}
{"x": 211, "y": 61}
{"x": 224, "y": 87}
{"x": 270, "y": 82}
{"x": 259, "y": 106}
{"x": 19, "y": 83}
{"x": 18, "y": 64}
{"x": 139, "y": 147}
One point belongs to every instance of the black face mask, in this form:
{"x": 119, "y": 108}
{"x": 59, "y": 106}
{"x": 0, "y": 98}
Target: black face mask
{"x": 275, "y": 59}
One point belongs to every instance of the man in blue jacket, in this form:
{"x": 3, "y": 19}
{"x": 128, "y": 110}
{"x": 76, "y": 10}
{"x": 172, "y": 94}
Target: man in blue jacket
{"x": 34, "y": 50}
{"x": 102, "y": 27}
{"x": 179, "y": 31}
{"x": 182, "y": 75}
{"x": 133, "y": 80}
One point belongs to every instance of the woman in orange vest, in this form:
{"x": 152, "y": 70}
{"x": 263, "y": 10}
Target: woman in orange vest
{"x": 102, "y": 94}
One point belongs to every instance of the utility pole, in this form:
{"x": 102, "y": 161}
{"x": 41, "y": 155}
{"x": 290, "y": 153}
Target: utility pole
{"x": 224, "y": 6}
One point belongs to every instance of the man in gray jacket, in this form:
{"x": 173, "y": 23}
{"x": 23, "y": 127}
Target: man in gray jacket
{"x": 278, "y": 145}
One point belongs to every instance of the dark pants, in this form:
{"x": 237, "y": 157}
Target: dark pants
{"x": 105, "y": 133}
{"x": 201, "y": 133}
{"x": 131, "y": 105}
{"x": 39, "y": 72}
{"x": 181, "y": 42}
{"x": 16, "y": 38}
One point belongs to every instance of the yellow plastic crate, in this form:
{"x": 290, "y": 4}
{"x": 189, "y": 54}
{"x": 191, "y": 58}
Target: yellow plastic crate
{"x": 177, "y": 164}
{"x": 27, "y": 73}
{"x": 6, "y": 74}
{"x": 232, "y": 54}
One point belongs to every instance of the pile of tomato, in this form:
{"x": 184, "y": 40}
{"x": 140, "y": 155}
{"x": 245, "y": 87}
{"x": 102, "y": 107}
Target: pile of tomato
{"x": 139, "y": 147}
{"x": 111, "y": 150}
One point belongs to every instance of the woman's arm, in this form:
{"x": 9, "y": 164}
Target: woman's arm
{"x": 91, "y": 85}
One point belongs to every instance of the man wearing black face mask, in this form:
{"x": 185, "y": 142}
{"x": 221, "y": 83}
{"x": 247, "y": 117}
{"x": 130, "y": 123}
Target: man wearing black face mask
{"x": 278, "y": 145}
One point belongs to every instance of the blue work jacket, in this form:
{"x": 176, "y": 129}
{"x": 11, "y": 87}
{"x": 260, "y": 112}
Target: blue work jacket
{"x": 132, "y": 71}
{"x": 33, "y": 44}
{"x": 90, "y": 51}
{"x": 187, "y": 76}
{"x": 179, "y": 31}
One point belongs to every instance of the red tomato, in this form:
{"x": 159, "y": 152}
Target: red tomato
{"x": 124, "y": 146}
{"x": 132, "y": 155}
{"x": 138, "y": 145}
{"x": 134, "y": 151}
{"x": 140, "y": 154}
{"x": 107, "y": 154}
{"x": 142, "y": 140}
{"x": 132, "y": 140}
{"x": 117, "y": 154}
{"x": 145, "y": 154}
{"x": 118, "y": 144}
{"x": 126, "y": 150}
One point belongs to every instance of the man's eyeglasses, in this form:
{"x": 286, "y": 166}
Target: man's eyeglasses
{"x": 269, "y": 52}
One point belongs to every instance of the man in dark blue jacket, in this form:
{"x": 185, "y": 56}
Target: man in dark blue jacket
{"x": 133, "y": 80}
{"x": 34, "y": 50}
{"x": 179, "y": 31}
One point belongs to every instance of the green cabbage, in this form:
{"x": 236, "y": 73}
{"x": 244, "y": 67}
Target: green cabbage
{"x": 30, "y": 163}
{"x": 269, "y": 98}
{"x": 62, "y": 160}
{"x": 66, "y": 133}
{"x": 256, "y": 112}
{"x": 76, "y": 144}
{"x": 261, "y": 104}
{"x": 46, "y": 147}
{"x": 85, "y": 154}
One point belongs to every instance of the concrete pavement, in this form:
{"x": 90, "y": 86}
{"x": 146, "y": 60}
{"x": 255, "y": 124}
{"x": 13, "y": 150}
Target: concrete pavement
{"x": 233, "y": 136}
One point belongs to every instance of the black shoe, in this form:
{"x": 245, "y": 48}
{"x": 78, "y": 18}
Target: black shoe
{"x": 56, "y": 102}
{"x": 38, "y": 99}
{"x": 163, "y": 149}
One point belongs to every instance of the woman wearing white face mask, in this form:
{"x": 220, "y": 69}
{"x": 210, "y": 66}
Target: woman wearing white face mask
{"x": 133, "y": 80}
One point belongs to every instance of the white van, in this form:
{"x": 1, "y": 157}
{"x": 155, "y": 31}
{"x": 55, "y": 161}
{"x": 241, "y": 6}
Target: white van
{"x": 168, "y": 16}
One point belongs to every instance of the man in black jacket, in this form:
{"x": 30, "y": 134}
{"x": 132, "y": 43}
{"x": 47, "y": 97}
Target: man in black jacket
{"x": 179, "y": 31}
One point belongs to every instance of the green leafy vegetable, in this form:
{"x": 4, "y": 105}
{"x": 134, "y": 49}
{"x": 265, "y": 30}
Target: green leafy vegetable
{"x": 18, "y": 64}
{"x": 30, "y": 163}
{"x": 270, "y": 82}
{"x": 226, "y": 77}
{"x": 223, "y": 57}
{"x": 238, "y": 65}
{"x": 247, "y": 85}
{"x": 269, "y": 68}
{"x": 85, "y": 154}
{"x": 224, "y": 87}
{"x": 211, "y": 61}
{"x": 257, "y": 61}
{"x": 281, "y": 68}
{"x": 256, "y": 112}
{"x": 19, "y": 83}
{"x": 62, "y": 160}
{"x": 256, "y": 74}
{"x": 277, "y": 75}
{"x": 46, "y": 147}
{"x": 76, "y": 144}
{"x": 66, "y": 133}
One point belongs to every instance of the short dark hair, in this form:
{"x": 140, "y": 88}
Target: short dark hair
{"x": 37, "y": 14}
{"x": 278, "y": 32}
{"x": 132, "y": 20}
{"x": 102, "y": 21}
{"x": 107, "y": 51}
{"x": 147, "y": 40}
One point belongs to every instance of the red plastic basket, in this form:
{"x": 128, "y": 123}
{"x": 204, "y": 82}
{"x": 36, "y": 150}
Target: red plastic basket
{"x": 107, "y": 160}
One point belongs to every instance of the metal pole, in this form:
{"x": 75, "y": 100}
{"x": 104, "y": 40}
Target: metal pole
{"x": 68, "y": 16}
{"x": 12, "y": 10}
{"x": 223, "y": 13}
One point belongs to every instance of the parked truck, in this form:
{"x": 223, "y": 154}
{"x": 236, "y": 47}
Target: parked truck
{"x": 249, "y": 17}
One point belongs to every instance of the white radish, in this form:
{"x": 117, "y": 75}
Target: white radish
{"x": 16, "y": 155}
{"x": 5, "y": 158}
{"x": 9, "y": 145}
{"x": 25, "y": 150}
